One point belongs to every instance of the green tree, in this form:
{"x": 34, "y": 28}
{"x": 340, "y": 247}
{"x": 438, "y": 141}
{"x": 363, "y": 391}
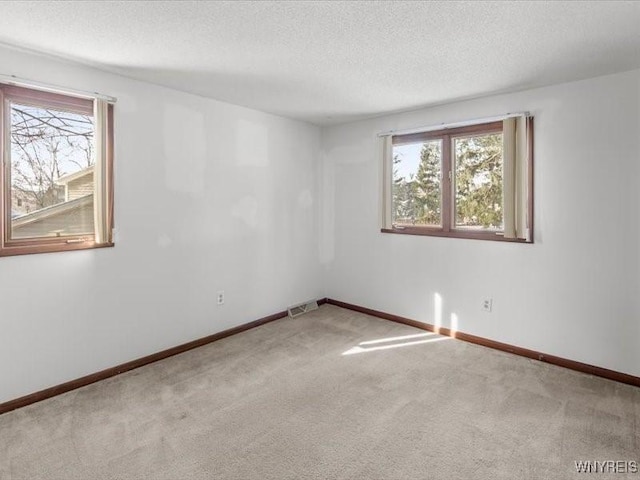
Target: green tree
{"x": 403, "y": 201}
{"x": 427, "y": 187}
{"x": 416, "y": 198}
{"x": 479, "y": 181}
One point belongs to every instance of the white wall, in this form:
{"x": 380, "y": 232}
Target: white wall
{"x": 209, "y": 196}
{"x": 574, "y": 293}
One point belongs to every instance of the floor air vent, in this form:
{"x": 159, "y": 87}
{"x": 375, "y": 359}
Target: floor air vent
{"x": 297, "y": 310}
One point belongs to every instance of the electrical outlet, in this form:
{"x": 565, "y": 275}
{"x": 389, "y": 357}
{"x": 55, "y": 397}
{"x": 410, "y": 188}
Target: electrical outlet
{"x": 487, "y": 305}
{"x": 220, "y": 298}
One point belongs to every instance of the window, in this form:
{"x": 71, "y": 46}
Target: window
{"x": 56, "y": 175}
{"x": 469, "y": 182}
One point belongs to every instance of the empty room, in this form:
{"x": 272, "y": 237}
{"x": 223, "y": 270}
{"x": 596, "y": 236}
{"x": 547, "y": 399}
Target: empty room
{"x": 319, "y": 240}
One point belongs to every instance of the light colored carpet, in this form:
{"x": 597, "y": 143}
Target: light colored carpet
{"x": 283, "y": 401}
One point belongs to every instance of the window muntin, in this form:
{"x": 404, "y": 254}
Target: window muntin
{"x": 417, "y": 184}
{"x": 48, "y": 170}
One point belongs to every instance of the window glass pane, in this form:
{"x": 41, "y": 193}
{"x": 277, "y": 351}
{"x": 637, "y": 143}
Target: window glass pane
{"x": 416, "y": 189}
{"x": 478, "y": 181}
{"x": 51, "y": 172}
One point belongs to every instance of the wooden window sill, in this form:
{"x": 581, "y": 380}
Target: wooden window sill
{"x": 8, "y": 251}
{"x": 436, "y": 232}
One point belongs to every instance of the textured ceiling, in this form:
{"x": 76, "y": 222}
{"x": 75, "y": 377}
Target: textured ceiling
{"x": 331, "y": 62}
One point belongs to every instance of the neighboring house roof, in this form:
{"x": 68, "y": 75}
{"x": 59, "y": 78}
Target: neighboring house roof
{"x": 63, "y": 180}
{"x": 51, "y": 211}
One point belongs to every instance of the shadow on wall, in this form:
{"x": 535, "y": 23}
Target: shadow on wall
{"x": 233, "y": 87}
{"x": 185, "y": 160}
{"x": 252, "y": 144}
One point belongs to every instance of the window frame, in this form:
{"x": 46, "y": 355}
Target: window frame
{"x": 39, "y": 98}
{"x": 448, "y": 228}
